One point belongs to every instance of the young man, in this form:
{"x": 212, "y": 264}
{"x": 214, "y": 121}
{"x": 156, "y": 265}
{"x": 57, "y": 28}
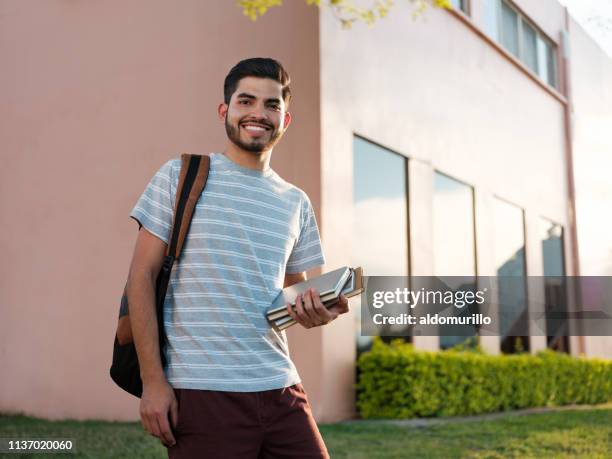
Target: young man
{"x": 230, "y": 389}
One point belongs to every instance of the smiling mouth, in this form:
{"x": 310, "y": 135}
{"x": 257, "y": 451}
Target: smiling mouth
{"x": 255, "y": 128}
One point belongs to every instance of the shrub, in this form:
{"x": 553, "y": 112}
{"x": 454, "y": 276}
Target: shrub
{"x": 396, "y": 381}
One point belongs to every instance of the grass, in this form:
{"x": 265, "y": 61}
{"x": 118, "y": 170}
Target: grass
{"x": 565, "y": 434}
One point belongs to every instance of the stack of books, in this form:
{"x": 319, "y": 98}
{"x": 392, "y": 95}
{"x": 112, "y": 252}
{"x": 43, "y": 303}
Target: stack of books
{"x": 343, "y": 281}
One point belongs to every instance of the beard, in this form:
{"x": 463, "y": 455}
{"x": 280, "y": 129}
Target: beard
{"x": 260, "y": 145}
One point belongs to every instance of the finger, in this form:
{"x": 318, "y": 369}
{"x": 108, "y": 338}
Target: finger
{"x": 302, "y": 318}
{"x": 154, "y": 425}
{"x": 323, "y": 315}
{"x": 150, "y": 423}
{"x": 344, "y": 304}
{"x": 291, "y": 311}
{"x": 308, "y": 308}
{"x": 164, "y": 429}
{"x": 174, "y": 413}
{"x": 340, "y": 306}
{"x": 145, "y": 423}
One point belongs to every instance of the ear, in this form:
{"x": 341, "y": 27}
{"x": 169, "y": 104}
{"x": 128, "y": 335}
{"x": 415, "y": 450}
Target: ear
{"x": 222, "y": 111}
{"x": 287, "y": 120}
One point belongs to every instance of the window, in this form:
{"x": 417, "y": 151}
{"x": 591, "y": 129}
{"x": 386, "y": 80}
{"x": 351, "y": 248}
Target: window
{"x": 380, "y": 225}
{"x": 504, "y": 24}
{"x": 547, "y": 68}
{"x": 555, "y": 289}
{"x": 552, "y": 248}
{"x": 529, "y": 47}
{"x": 454, "y": 248}
{"x": 509, "y": 257}
{"x": 461, "y": 5}
{"x": 509, "y": 29}
{"x": 491, "y": 10}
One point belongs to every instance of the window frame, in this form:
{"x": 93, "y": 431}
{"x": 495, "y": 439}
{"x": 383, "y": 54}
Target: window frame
{"x": 526, "y": 249}
{"x": 406, "y": 171}
{"x": 523, "y": 18}
{"x": 490, "y": 36}
{"x": 500, "y": 27}
{"x": 472, "y": 188}
{"x": 522, "y": 46}
{"x": 566, "y": 346}
{"x": 552, "y": 221}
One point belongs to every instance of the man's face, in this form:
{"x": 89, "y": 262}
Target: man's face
{"x": 256, "y": 117}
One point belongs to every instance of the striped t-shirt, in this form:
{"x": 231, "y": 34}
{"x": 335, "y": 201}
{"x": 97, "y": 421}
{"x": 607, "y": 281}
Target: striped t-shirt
{"x": 249, "y": 229}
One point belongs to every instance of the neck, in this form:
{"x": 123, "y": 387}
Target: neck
{"x": 250, "y": 160}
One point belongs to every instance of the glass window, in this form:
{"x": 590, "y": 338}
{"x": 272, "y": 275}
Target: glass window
{"x": 555, "y": 288}
{"x": 529, "y": 47}
{"x": 509, "y": 257}
{"x": 454, "y": 245}
{"x": 453, "y": 216}
{"x": 380, "y": 227}
{"x": 460, "y": 5}
{"x": 552, "y": 248}
{"x": 543, "y": 68}
{"x": 509, "y": 29}
{"x": 491, "y": 10}
{"x": 515, "y": 33}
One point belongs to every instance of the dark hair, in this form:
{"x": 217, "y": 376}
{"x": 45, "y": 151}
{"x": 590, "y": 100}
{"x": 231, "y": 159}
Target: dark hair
{"x": 260, "y": 67}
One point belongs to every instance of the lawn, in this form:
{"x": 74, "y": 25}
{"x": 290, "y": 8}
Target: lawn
{"x": 565, "y": 434}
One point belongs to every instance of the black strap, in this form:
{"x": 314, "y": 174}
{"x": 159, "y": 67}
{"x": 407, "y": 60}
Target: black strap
{"x": 164, "y": 275}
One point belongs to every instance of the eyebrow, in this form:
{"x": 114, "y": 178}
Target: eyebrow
{"x": 246, "y": 95}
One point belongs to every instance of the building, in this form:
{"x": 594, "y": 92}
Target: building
{"x": 470, "y": 139}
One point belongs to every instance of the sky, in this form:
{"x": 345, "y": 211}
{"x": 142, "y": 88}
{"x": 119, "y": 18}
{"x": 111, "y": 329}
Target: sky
{"x": 595, "y": 16}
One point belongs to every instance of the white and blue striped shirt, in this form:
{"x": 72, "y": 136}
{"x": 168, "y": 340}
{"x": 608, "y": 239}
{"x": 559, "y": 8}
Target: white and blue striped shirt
{"x": 249, "y": 229}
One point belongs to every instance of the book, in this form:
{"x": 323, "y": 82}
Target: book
{"x": 327, "y": 300}
{"x": 352, "y": 286}
{"x": 328, "y": 285}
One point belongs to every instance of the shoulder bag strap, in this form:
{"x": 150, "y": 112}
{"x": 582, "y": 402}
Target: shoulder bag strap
{"x": 192, "y": 180}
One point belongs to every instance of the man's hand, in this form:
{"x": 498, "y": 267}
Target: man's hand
{"x": 157, "y": 400}
{"x": 311, "y": 312}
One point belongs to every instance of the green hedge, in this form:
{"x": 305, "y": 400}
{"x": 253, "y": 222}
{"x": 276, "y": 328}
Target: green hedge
{"x": 396, "y": 381}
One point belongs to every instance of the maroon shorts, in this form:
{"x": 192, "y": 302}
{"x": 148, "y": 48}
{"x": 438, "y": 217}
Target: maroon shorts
{"x": 242, "y": 425}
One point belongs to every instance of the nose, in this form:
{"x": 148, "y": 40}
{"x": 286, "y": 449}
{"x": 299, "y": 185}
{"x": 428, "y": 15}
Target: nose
{"x": 258, "y": 111}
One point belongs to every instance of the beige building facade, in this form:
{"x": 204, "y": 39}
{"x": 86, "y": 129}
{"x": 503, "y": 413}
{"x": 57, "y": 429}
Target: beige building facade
{"x": 95, "y": 99}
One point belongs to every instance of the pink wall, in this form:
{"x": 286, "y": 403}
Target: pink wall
{"x": 94, "y": 97}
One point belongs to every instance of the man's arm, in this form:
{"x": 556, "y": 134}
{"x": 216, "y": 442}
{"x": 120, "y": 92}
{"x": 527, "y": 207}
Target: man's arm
{"x": 309, "y": 310}
{"x": 158, "y": 396}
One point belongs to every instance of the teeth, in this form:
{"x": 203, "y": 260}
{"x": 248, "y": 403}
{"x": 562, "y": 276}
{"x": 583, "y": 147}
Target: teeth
{"x": 254, "y": 128}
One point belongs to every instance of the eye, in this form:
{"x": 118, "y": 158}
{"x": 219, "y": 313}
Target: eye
{"x": 244, "y": 101}
{"x": 274, "y": 106}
